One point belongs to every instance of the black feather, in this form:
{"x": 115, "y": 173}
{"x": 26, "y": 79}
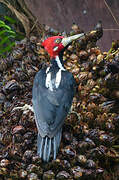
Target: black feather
{"x": 47, "y": 146}
{"x": 51, "y": 108}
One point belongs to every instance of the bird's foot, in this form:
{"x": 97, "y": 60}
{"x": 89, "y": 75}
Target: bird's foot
{"x": 24, "y": 108}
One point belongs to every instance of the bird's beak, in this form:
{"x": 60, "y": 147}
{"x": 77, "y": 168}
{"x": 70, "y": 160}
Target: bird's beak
{"x": 67, "y": 40}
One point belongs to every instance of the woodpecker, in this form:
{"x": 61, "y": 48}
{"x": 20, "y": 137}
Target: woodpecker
{"x": 52, "y": 96}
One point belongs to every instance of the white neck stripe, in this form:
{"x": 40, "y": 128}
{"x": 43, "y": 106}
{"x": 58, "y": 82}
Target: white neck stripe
{"x": 48, "y": 82}
{"x": 59, "y": 63}
{"x": 48, "y": 68}
{"x": 58, "y": 78}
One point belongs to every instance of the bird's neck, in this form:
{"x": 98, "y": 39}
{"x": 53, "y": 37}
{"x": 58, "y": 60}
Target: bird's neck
{"x": 54, "y": 73}
{"x": 57, "y": 62}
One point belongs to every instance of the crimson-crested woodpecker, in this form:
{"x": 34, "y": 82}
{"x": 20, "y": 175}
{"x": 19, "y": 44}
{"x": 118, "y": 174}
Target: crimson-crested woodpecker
{"x": 53, "y": 91}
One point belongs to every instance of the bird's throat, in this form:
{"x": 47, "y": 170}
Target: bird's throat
{"x": 59, "y": 63}
{"x": 57, "y": 68}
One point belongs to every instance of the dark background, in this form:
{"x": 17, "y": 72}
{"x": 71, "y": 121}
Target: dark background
{"x": 86, "y": 13}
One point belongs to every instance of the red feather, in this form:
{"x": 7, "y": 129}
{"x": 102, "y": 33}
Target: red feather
{"x": 49, "y": 44}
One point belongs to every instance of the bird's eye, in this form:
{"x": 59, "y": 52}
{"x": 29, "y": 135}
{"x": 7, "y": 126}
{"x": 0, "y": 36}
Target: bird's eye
{"x": 58, "y": 40}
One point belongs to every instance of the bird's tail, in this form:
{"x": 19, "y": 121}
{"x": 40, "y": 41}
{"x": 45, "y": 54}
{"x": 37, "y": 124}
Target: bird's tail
{"x": 47, "y": 146}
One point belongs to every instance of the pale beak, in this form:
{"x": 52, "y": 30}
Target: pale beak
{"x": 67, "y": 40}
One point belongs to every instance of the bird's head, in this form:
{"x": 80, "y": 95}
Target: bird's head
{"x": 55, "y": 44}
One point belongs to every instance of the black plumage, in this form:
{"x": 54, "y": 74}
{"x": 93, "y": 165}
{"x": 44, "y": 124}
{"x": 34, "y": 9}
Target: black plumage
{"x": 53, "y": 92}
{"x": 51, "y": 108}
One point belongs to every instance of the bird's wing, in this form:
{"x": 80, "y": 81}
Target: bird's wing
{"x": 51, "y": 107}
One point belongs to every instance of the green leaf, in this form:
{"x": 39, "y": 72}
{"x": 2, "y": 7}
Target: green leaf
{"x": 9, "y": 19}
{"x": 8, "y": 48}
{"x": 2, "y": 22}
{"x": 5, "y": 26}
{"x": 7, "y": 36}
{"x": 7, "y": 31}
{"x": 5, "y": 39}
{"x": 2, "y": 36}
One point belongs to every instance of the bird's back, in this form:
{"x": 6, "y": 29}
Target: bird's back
{"x": 52, "y": 106}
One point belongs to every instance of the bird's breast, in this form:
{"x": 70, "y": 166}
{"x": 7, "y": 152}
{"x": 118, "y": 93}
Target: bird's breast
{"x": 53, "y": 80}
